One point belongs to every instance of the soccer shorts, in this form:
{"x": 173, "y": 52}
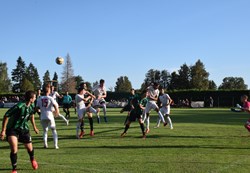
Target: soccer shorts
{"x": 22, "y": 136}
{"x": 150, "y": 105}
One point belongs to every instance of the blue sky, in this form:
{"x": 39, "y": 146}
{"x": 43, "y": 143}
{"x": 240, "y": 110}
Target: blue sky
{"x": 112, "y": 38}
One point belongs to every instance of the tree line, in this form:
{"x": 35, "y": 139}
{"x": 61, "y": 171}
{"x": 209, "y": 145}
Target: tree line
{"x": 193, "y": 77}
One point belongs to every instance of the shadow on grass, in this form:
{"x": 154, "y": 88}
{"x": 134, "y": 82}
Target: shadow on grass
{"x": 162, "y": 146}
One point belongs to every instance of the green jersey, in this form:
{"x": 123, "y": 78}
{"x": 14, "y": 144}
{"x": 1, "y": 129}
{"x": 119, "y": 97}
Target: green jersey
{"x": 144, "y": 101}
{"x": 19, "y": 116}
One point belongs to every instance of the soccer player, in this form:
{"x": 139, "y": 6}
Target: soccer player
{"x": 54, "y": 94}
{"x": 100, "y": 94}
{"x": 67, "y": 99}
{"x": 48, "y": 108}
{"x": 246, "y": 108}
{"x": 152, "y": 95}
{"x": 15, "y": 127}
{"x": 135, "y": 113}
{"x": 165, "y": 102}
{"x": 128, "y": 106}
{"x": 80, "y": 100}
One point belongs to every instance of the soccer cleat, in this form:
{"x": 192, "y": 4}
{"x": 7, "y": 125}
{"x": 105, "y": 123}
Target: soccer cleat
{"x": 164, "y": 124}
{"x": 13, "y": 171}
{"x": 147, "y": 131}
{"x": 171, "y": 128}
{"x": 92, "y": 133}
{"x": 123, "y": 134}
{"x": 105, "y": 119}
{"x": 98, "y": 120}
{"x": 34, "y": 164}
{"x": 56, "y": 147}
{"x": 81, "y": 134}
{"x": 157, "y": 126}
{"x": 143, "y": 136}
{"x": 67, "y": 122}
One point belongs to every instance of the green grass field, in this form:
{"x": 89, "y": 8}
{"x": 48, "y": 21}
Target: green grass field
{"x": 203, "y": 140}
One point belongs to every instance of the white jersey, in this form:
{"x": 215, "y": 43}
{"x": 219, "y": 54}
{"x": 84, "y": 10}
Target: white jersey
{"x": 99, "y": 91}
{"x": 54, "y": 94}
{"x": 79, "y": 101}
{"x": 165, "y": 99}
{"x": 80, "y": 105}
{"x": 46, "y": 105}
{"x": 152, "y": 92}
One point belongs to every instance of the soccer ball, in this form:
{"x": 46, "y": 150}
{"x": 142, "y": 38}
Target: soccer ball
{"x": 59, "y": 60}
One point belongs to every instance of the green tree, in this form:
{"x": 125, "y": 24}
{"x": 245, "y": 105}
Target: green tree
{"x": 33, "y": 76}
{"x": 174, "y": 81}
{"x": 165, "y": 78}
{"x": 46, "y": 78}
{"x": 212, "y": 85}
{"x": 68, "y": 82}
{"x": 5, "y": 83}
{"x": 27, "y": 85}
{"x": 199, "y": 76}
{"x": 18, "y": 74}
{"x": 123, "y": 84}
{"x": 184, "y": 77}
{"x": 233, "y": 83}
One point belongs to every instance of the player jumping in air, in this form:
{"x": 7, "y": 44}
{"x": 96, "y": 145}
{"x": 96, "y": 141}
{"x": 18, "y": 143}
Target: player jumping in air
{"x": 100, "y": 94}
{"x": 152, "y": 96}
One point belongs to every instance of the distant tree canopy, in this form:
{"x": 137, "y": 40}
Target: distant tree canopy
{"x": 123, "y": 84}
{"x": 186, "y": 78}
{"x": 233, "y": 83}
{"x": 68, "y": 82}
{"x": 5, "y": 82}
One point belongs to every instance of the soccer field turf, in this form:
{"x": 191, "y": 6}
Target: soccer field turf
{"x": 203, "y": 140}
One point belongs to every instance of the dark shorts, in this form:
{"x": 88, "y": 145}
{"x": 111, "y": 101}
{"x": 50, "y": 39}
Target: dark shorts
{"x": 66, "y": 105}
{"x": 133, "y": 116}
{"x": 23, "y": 137}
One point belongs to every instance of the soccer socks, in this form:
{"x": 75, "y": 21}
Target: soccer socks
{"x": 45, "y": 137}
{"x": 126, "y": 128}
{"x": 82, "y": 125}
{"x": 170, "y": 122}
{"x": 91, "y": 124}
{"x": 55, "y": 137}
{"x": 62, "y": 117}
{"x": 78, "y": 126}
{"x": 161, "y": 116}
{"x": 142, "y": 128}
{"x": 13, "y": 158}
{"x": 31, "y": 154}
{"x": 147, "y": 122}
{"x": 104, "y": 110}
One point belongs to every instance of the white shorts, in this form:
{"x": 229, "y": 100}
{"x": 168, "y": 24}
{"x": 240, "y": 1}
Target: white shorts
{"x": 165, "y": 111}
{"x": 81, "y": 113}
{"x": 99, "y": 102}
{"x": 150, "y": 105}
{"x": 48, "y": 123}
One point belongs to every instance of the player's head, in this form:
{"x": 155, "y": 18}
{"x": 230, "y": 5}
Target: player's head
{"x": 155, "y": 85}
{"x": 132, "y": 91}
{"x": 161, "y": 89}
{"x": 30, "y": 96}
{"x": 80, "y": 89}
{"x": 102, "y": 82}
{"x": 244, "y": 98}
{"x": 47, "y": 88}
